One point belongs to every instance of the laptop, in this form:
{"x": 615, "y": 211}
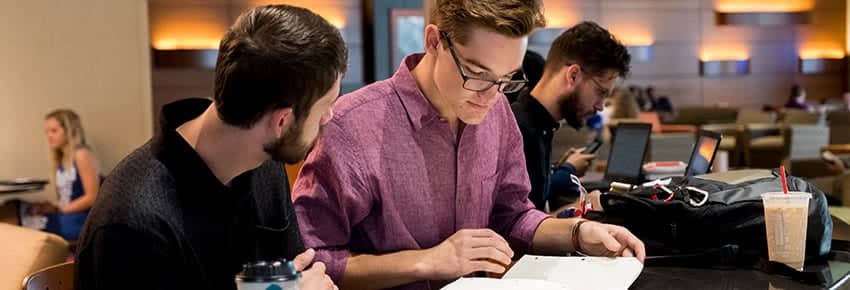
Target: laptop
{"x": 625, "y": 159}
{"x": 703, "y": 153}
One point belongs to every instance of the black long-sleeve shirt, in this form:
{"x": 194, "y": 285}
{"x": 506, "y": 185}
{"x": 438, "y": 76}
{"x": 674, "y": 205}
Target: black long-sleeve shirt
{"x": 162, "y": 220}
{"x": 538, "y": 127}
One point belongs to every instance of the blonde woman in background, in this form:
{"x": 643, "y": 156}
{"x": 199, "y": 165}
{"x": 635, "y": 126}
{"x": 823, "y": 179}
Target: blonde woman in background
{"x": 624, "y": 105}
{"x": 77, "y": 180}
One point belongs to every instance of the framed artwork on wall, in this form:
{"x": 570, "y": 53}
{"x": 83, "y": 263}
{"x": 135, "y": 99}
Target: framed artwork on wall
{"x": 392, "y": 29}
{"x": 408, "y": 29}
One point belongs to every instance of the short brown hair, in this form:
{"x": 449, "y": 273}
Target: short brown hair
{"x": 512, "y": 18}
{"x": 592, "y": 47}
{"x": 274, "y": 57}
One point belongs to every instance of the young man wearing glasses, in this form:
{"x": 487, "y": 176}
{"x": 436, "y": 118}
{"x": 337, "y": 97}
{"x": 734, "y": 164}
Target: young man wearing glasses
{"x": 584, "y": 64}
{"x": 420, "y": 179}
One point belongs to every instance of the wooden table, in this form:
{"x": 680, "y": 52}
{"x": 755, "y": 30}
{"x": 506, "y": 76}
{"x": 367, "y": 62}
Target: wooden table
{"x": 10, "y": 201}
{"x": 837, "y": 148}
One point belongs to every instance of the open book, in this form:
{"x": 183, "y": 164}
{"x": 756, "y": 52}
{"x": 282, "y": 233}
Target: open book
{"x": 560, "y": 273}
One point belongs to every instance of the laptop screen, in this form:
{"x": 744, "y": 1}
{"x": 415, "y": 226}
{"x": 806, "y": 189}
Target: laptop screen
{"x": 703, "y": 154}
{"x": 627, "y": 151}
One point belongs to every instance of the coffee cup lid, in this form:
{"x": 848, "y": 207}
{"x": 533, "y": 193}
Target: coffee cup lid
{"x": 264, "y": 271}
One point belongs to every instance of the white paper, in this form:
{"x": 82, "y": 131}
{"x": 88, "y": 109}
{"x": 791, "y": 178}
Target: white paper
{"x": 579, "y": 273}
{"x": 503, "y": 284}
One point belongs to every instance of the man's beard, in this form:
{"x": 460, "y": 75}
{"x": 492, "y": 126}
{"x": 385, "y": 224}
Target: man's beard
{"x": 569, "y": 111}
{"x": 289, "y": 148}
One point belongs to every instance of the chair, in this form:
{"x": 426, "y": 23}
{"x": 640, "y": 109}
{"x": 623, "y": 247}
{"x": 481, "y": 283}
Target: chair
{"x": 56, "y": 277}
{"x": 733, "y": 133}
{"x": 658, "y": 127}
{"x": 776, "y": 145}
{"x": 768, "y": 145}
{"x": 839, "y": 127}
{"x": 762, "y": 145}
{"x": 24, "y": 251}
{"x": 798, "y": 117}
{"x": 699, "y": 116}
{"x": 755, "y": 117}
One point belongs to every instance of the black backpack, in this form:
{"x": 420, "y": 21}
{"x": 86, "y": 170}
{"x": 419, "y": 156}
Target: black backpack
{"x": 726, "y": 231}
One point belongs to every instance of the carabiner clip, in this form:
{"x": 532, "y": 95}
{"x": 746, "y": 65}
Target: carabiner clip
{"x": 700, "y": 191}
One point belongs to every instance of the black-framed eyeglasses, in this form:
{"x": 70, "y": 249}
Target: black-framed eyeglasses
{"x": 601, "y": 91}
{"x": 478, "y": 84}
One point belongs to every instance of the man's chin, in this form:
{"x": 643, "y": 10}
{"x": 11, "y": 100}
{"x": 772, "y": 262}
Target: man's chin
{"x": 473, "y": 117}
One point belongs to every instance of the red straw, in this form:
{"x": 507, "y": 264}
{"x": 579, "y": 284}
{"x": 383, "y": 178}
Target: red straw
{"x": 784, "y": 179}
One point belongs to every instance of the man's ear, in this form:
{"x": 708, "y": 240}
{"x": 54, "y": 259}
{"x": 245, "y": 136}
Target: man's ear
{"x": 280, "y": 120}
{"x": 432, "y": 39}
{"x": 571, "y": 75}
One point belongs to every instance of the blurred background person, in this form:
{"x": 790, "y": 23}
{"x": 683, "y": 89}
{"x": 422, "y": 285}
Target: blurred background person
{"x": 650, "y": 99}
{"x": 797, "y": 99}
{"x": 77, "y": 180}
{"x": 845, "y": 104}
{"x": 532, "y": 67}
{"x": 624, "y": 105}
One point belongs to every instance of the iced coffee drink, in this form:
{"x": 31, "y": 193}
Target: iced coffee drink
{"x": 786, "y": 218}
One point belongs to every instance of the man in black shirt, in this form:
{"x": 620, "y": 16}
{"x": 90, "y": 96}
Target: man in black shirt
{"x": 583, "y": 66}
{"x": 210, "y": 192}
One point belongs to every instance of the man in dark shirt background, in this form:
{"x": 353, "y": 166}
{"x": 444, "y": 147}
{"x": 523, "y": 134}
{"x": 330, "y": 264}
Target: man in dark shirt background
{"x": 532, "y": 70}
{"x": 582, "y": 68}
{"x": 188, "y": 208}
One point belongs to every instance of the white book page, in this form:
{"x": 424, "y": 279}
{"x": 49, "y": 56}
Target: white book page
{"x": 503, "y": 284}
{"x": 579, "y": 273}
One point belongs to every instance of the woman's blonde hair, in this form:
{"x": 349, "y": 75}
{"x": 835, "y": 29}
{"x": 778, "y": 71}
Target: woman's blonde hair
{"x": 74, "y": 135}
{"x": 624, "y": 105}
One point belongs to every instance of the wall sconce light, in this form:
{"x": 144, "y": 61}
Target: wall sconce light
{"x": 813, "y": 66}
{"x": 724, "y": 61}
{"x": 194, "y": 53}
{"x": 763, "y": 12}
{"x": 638, "y": 41}
{"x": 192, "y": 42}
{"x": 185, "y": 58}
{"x": 821, "y": 61}
{"x": 815, "y": 61}
{"x": 720, "y": 68}
{"x": 641, "y": 53}
{"x": 762, "y": 18}
{"x": 185, "y": 53}
{"x": 545, "y": 35}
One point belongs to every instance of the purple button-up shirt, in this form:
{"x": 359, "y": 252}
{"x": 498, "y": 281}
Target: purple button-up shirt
{"x": 389, "y": 174}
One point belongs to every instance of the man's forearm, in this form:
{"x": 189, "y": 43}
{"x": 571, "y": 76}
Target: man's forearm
{"x": 384, "y": 271}
{"x": 554, "y": 237}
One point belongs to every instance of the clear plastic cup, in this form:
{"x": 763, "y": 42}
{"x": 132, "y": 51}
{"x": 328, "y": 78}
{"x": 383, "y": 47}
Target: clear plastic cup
{"x": 786, "y": 217}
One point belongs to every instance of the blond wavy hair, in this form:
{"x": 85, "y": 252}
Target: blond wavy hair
{"x": 74, "y": 135}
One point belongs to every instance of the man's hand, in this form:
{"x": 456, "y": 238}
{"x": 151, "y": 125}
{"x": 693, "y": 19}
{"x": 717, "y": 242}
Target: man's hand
{"x": 467, "y": 251}
{"x": 578, "y": 159}
{"x": 313, "y": 278}
{"x": 599, "y": 239}
{"x": 836, "y": 166}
